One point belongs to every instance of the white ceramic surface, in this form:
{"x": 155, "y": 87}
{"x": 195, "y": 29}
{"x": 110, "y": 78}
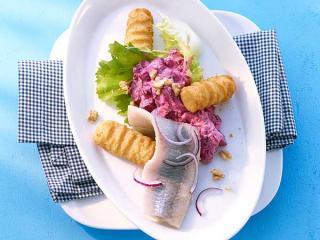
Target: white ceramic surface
{"x": 99, "y": 22}
{"x": 90, "y": 211}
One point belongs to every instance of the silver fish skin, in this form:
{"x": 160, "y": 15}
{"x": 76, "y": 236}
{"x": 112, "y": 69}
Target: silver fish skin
{"x": 168, "y": 203}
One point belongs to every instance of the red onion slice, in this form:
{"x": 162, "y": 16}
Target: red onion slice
{"x": 194, "y": 136}
{"x": 202, "y": 194}
{"x": 180, "y": 135}
{"x": 195, "y": 182}
{"x": 168, "y": 139}
{"x": 181, "y": 163}
{"x": 197, "y": 142}
{"x": 137, "y": 178}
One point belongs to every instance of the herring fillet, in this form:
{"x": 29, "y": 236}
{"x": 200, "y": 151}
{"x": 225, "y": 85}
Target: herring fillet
{"x": 168, "y": 203}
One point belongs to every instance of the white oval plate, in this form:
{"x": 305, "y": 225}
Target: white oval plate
{"x": 91, "y": 211}
{"x": 99, "y": 22}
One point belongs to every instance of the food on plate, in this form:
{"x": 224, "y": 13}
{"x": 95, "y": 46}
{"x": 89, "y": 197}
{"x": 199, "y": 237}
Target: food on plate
{"x": 201, "y": 197}
{"x": 111, "y": 75}
{"x": 170, "y": 109}
{"x": 217, "y": 174}
{"x": 124, "y": 142}
{"x": 93, "y": 116}
{"x": 174, "y": 39}
{"x": 140, "y": 28}
{"x": 173, "y": 70}
{"x": 203, "y": 94}
{"x": 225, "y": 155}
{"x": 153, "y": 79}
{"x": 173, "y": 169}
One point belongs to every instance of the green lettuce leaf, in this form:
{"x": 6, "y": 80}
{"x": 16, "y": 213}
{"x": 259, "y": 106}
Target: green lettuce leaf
{"x": 120, "y": 68}
{"x": 171, "y": 40}
{"x": 196, "y": 70}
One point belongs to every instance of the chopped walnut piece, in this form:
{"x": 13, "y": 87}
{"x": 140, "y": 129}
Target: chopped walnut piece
{"x": 225, "y": 155}
{"x": 189, "y": 73}
{"x": 158, "y": 91}
{"x": 124, "y": 85}
{"x": 93, "y": 116}
{"x": 176, "y": 88}
{"x": 153, "y": 73}
{"x": 168, "y": 82}
{"x": 217, "y": 174}
{"x": 159, "y": 83}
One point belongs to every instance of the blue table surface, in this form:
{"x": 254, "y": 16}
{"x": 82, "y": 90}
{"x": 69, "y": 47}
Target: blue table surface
{"x": 28, "y": 28}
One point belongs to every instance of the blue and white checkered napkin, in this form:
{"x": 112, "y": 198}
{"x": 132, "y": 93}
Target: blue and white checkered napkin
{"x": 43, "y": 119}
{"x": 262, "y": 53}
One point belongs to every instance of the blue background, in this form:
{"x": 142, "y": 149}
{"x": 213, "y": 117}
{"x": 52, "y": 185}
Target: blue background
{"x": 28, "y": 28}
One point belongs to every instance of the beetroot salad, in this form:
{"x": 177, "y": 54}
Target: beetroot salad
{"x": 156, "y": 84}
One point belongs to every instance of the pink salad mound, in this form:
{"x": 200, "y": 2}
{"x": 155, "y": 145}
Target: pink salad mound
{"x": 156, "y": 85}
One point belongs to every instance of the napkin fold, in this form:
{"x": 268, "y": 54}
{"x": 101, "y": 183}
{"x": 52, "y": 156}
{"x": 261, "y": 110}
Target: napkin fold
{"x": 43, "y": 119}
{"x": 262, "y": 53}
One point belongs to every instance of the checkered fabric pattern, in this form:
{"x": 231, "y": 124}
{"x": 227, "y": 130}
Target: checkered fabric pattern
{"x": 42, "y": 114}
{"x": 67, "y": 176}
{"x": 262, "y": 53}
{"x": 43, "y": 119}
